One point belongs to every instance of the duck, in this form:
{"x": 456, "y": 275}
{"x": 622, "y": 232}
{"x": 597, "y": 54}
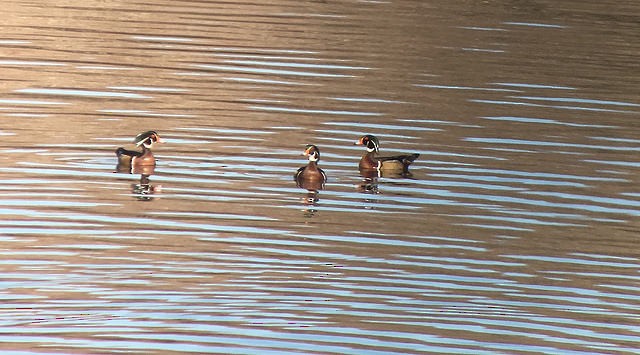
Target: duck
{"x": 311, "y": 177}
{"x": 136, "y": 160}
{"x": 371, "y": 161}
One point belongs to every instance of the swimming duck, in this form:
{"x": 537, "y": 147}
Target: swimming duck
{"x": 311, "y": 177}
{"x": 371, "y": 161}
{"x": 134, "y": 159}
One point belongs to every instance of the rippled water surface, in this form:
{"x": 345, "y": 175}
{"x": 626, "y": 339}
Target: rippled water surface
{"x": 516, "y": 231}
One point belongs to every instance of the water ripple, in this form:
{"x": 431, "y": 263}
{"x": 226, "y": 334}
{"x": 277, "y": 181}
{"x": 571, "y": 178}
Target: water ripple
{"x": 515, "y": 231}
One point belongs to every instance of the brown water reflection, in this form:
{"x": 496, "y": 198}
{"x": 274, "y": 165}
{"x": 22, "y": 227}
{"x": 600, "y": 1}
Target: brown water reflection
{"x": 515, "y": 232}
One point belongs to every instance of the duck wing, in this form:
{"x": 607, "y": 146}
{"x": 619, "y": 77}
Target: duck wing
{"x": 126, "y": 152}
{"x": 405, "y": 159}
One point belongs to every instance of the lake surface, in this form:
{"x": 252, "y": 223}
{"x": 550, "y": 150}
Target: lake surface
{"x": 516, "y": 232}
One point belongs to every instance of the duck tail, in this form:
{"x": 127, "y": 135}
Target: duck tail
{"x": 408, "y": 159}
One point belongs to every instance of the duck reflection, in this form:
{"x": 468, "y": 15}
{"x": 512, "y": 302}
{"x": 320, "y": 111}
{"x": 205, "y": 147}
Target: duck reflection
{"x": 369, "y": 185}
{"x": 371, "y": 177}
{"x": 389, "y": 173}
{"x": 144, "y": 189}
{"x": 311, "y": 178}
{"x": 310, "y": 200}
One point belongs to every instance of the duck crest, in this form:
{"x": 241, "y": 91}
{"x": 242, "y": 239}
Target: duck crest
{"x": 147, "y": 139}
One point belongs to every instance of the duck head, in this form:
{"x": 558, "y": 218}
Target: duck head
{"x": 147, "y": 139}
{"x": 371, "y": 142}
{"x": 312, "y": 152}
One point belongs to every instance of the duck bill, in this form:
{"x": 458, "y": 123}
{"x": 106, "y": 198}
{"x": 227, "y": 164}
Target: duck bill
{"x": 306, "y": 152}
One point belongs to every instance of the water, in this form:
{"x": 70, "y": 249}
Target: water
{"x": 516, "y": 232}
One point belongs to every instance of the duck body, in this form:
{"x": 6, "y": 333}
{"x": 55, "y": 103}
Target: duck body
{"x": 311, "y": 176}
{"x": 371, "y": 160}
{"x": 310, "y": 172}
{"x": 132, "y": 159}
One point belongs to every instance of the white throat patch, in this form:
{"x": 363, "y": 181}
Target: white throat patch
{"x": 147, "y": 143}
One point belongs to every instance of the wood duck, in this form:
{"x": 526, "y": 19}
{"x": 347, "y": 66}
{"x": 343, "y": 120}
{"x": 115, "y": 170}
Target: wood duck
{"x": 138, "y": 160}
{"x": 371, "y": 161}
{"x": 310, "y": 176}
